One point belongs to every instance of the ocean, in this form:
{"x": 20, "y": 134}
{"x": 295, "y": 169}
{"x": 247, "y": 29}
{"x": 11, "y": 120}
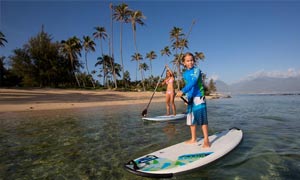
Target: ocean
{"x": 94, "y": 143}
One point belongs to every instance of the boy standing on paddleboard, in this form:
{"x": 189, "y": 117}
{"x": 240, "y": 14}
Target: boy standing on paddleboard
{"x": 194, "y": 90}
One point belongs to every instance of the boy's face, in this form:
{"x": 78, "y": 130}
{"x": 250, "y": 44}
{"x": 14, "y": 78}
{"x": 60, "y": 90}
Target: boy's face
{"x": 188, "y": 61}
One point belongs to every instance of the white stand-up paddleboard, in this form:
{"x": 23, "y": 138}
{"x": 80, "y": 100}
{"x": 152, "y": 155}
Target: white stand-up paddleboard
{"x": 165, "y": 118}
{"x": 184, "y": 157}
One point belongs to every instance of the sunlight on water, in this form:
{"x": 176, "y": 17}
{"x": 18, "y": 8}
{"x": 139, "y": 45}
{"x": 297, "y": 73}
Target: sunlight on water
{"x": 94, "y": 143}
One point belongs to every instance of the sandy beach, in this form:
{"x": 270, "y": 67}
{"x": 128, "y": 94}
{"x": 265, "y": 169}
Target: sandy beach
{"x": 12, "y": 100}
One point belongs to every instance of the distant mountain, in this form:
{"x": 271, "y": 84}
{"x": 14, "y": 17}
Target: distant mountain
{"x": 267, "y": 85}
{"x": 222, "y": 87}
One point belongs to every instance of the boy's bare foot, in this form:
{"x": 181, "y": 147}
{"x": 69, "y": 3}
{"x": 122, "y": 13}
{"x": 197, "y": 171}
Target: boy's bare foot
{"x": 206, "y": 145}
{"x": 191, "y": 141}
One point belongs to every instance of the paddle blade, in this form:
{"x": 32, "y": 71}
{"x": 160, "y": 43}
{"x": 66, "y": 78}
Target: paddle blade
{"x": 144, "y": 113}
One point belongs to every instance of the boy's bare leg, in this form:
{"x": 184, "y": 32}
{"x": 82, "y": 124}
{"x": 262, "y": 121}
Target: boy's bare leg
{"x": 205, "y": 135}
{"x": 193, "y": 134}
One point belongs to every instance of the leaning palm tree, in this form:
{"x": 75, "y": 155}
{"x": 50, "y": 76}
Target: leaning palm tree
{"x": 151, "y": 56}
{"x": 2, "y": 39}
{"x": 72, "y": 48}
{"x": 88, "y": 45}
{"x": 121, "y": 14}
{"x": 100, "y": 34}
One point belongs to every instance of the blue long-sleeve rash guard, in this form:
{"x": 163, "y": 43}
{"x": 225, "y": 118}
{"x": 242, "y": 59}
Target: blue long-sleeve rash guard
{"x": 193, "y": 83}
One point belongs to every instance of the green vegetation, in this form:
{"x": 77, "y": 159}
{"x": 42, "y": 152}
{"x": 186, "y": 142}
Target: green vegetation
{"x": 44, "y": 63}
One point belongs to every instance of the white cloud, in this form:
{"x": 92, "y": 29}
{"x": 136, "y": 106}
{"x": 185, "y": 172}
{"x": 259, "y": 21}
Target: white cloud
{"x": 291, "y": 72}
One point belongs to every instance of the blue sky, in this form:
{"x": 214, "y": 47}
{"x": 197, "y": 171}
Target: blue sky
{"x": 240, "y": 39}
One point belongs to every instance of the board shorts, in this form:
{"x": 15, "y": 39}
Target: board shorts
{"x": 197, "y": 112}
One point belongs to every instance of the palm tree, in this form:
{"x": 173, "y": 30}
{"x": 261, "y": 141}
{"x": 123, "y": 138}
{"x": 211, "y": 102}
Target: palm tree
{"x": 136, "y": 18}
{"x": 2, "y": 70}
{"x": 127, "y": 78}
{"x": 165, "y": 51}
{"x": 151, "y": 56}
{"x": 88, "y": 45}
{"x": 111, "y": 47}
{"x": 176, "y": 36}
{"x": 181, "y": 44}
{"x": 143, "y": 67}
{"x": 199, "y": 56}
{"x": 137, "y": 57}
{"x": 93, "y": 72}
{"x": 121, "y": 14}
{"x": 104, "y": 61}
{"x": 116, "y": 68}
{"x": 101, "y": 35}
{"x": 71, "y": 48}
{"x": 2, "y": 39}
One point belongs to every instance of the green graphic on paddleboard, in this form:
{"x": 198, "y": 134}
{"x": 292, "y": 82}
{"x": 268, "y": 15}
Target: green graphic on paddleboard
{"x": 153, "y": 163}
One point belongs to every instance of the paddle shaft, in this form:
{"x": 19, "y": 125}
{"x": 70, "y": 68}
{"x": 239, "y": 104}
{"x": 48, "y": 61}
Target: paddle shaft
{"x": 184, "y": 100}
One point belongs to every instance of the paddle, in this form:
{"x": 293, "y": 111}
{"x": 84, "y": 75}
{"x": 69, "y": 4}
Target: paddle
{"x": 144, "y": 113}
{"x": 184, "y": 100}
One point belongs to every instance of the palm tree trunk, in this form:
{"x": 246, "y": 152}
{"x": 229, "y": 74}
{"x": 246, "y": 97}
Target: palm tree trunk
{"x": 74, "y": 71}
{"x": 104, "y": 64}
{"x": 76, "y": 79}
{"x": 121, "y": 30}
{"x": 112, "y": 49}
{"x": 143, "y": 83}
{"x": 135, "y": 45}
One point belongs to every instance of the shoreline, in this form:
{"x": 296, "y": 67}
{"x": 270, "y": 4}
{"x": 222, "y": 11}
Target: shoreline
{"x": 17, "y": 100}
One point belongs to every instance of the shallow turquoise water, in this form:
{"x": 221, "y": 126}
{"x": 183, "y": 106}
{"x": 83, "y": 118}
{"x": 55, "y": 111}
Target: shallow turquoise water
{"x": 94, "y": 143}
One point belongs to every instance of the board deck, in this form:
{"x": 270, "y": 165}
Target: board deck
{"x": 184, "y": 157}
{"x": 165, "y": 118}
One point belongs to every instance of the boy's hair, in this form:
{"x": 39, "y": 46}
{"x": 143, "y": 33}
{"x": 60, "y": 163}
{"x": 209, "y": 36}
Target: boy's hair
{"x": 188, "y": 54}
